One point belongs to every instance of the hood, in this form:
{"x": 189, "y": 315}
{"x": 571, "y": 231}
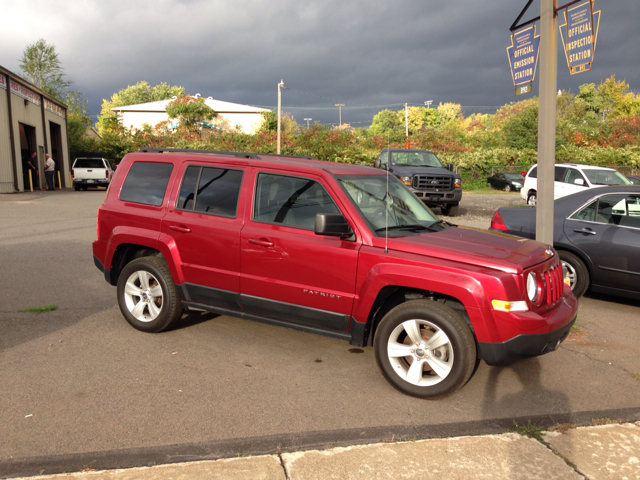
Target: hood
{"x": 477, "y": 247}
{"x": 408, "y": 171}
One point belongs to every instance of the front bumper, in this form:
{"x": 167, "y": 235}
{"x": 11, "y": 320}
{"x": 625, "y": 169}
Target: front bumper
{"x": 525, "y": 345}
{"x": 435, "y": 199}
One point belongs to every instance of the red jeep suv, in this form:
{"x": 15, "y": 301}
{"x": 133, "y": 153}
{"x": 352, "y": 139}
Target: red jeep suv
{"x": 334, "y": 249}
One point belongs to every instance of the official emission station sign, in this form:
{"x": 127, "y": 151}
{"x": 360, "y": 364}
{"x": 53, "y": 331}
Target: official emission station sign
{"x": 579, "y": 35}
{"x": 523, "y": 58}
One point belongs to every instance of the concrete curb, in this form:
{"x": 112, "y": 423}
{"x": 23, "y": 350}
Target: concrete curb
{"x": 599, "y": 452}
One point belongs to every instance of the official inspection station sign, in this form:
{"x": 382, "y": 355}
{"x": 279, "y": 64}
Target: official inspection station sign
{"x": 523, "y": 58}
{"x": 579, "y": 35}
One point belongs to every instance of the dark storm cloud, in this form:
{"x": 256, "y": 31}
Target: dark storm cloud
{"x": 364, "y": 53}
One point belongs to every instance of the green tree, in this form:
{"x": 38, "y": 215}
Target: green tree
{"x": 78, "y": 123}
{"x": 617, "y": 101}
{"x": 269, "y": 123}
{"x": 521, "y": 129}
{"x": 387, "y": 123}
{"x": 141, "y": 92}
{"x": 448, "y": 112}
{"x": 190, "y": 110}
{"x": 42, "y": 67}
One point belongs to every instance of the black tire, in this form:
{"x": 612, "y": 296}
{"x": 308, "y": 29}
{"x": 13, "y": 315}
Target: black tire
{"x": 450, "y": 210}
{"x": 76, "y": 188}
{"x": 532, "y": 198}
{"x": 577, "y": 271}
{"x": 145, "y": 306}
{"x": 507, "y": 188}
{"x": 455, "y": 358}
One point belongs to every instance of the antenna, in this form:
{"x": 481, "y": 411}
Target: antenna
{"x": 386, "y": 201}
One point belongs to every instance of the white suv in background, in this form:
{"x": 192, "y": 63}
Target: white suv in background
{"x": 571, "y": 178}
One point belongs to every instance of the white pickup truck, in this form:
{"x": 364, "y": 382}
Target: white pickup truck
{"x": 91, "y": 172}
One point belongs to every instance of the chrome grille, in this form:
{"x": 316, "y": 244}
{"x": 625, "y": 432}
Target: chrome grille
{"x": 432, "y": 182}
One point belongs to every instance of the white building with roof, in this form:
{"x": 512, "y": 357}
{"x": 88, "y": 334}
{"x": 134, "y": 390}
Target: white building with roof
{"x": 230, "y": 115}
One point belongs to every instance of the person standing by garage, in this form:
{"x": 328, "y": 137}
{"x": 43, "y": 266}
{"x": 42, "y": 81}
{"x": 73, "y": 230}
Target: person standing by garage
{"x": 49, "y": 171}
{"x": 32, "y": 163}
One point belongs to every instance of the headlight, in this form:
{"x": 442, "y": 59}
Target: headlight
{"x": 406, "y": 180}
{"x": 516, "y": 184}
{"x": 457, "y": 183}
{"x": 532, "y": 287}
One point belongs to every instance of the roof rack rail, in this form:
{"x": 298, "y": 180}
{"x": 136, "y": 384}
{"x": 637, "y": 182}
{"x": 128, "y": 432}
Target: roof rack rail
{"x": 306, "y": 157}
{"x": 188, "y": 150}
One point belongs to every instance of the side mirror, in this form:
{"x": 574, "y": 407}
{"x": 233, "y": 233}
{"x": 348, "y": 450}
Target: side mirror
{"x": 333, "y": 225}
{"x": 376, "y": 164}
{"x": 450, "y": 167}
{"x": 579, "y": 181}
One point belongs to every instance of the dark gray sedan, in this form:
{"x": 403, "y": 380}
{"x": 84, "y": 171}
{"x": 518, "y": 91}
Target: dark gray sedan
{"x": 506, "y": 181}
{"x": 596, "y": 233}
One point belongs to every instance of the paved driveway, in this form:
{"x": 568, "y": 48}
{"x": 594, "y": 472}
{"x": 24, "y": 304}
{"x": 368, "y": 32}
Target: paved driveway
{"x": 80, "y": 388}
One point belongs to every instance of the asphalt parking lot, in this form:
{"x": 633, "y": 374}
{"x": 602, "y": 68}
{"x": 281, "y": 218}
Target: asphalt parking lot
{"x": 82, "y": 389}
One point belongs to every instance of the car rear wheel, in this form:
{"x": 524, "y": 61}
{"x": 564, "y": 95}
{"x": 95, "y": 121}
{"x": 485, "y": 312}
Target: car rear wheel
{"x": 576, "y": 271}
{"x": 425, "y": 349}
{"x": 147, "y": 296}
{"x": 532, "y": 198}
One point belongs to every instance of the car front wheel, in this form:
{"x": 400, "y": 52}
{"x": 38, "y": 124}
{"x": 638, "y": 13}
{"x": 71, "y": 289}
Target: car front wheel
{"x": 507, "y": 188}
{"x": 450, "y": 210}
{"x": 147, "y": 296}
{"x": 576, "y": 271}
{"x": 425, "y": 349}
{"x": 532, "y": 198}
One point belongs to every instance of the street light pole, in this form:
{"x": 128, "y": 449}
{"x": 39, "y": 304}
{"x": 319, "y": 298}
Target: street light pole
{"x": 308, "y": 120}
{"x": 280, "y": 87}
{"x": 340, "y": 105}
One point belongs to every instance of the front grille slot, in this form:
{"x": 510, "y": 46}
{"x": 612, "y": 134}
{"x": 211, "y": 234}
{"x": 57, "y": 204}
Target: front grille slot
{"x": 553, "y": 281}
{"x": 435, "y": 183}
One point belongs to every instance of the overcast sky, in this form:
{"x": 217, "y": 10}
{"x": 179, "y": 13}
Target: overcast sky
{"x": 367, "y": 54}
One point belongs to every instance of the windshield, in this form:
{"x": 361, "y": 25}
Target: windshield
{"x": 414, "y": 159}
{"x": 406, "y": 213}
{"x": 606, "y": 177}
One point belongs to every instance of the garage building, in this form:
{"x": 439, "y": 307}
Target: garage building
{"x": 30, "y": 121}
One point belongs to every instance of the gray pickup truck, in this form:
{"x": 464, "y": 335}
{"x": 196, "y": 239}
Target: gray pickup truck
{"x": 424, "y": 174}
{"x": 91, "y": 172}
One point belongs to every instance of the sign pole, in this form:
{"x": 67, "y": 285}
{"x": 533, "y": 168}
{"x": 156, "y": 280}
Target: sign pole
{"x": 546, "y": 121}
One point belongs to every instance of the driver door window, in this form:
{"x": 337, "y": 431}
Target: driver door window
{"x": 291, "y": 201}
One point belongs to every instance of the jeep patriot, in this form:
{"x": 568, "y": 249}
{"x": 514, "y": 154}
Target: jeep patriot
{"x": 328, "y": 248}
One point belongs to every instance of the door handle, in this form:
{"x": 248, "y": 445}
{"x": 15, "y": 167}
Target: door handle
{"x": 180, "y": 228}
{"x": 586, "y": 231}
{"x": 263, "y": 242}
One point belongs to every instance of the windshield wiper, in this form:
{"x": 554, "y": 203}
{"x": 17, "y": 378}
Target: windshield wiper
{"x": 413, "y": 227}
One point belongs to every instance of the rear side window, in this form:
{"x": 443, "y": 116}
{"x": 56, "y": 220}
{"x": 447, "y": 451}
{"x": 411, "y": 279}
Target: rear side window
{"x": 89, "y": 163}
{"x": 533, "y": 173}
{"x": 559, "y": 174}
{"x": 210, "y": 190}
{"x": 146, "y": 183}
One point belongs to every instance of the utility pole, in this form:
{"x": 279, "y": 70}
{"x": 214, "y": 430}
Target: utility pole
{"x": 308, "y": 120}
{"x": 280, "y": 87}
{"x": 547, "y": 121}
{"x": 406, "y": 119}
{"x": 340, "y": 105}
